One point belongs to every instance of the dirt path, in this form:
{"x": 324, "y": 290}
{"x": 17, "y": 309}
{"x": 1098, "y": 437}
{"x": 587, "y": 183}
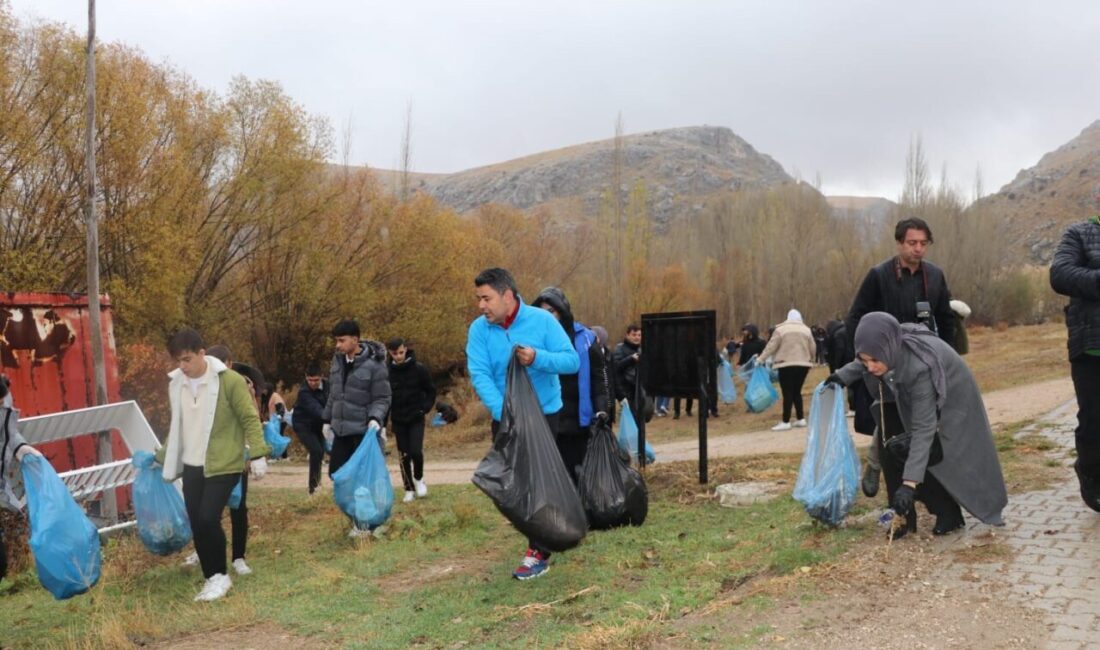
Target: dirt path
{"x": 1003, "y": 406}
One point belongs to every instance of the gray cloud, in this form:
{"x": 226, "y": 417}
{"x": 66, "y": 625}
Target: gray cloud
{"x": 830, "y": 88}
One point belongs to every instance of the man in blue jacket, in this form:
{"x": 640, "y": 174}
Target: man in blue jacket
{"x": 541, "y": 346}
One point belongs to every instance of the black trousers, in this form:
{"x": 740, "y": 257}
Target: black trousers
{"x": 238, "y": 521}
{"x": 930, "y": 491}
{"x": 690, "y": 403}
{"x": 791, "y": 380}
{"x": 573, "y": 447}
{"x": 410, "y": 446}
{"x": 205, "y": 499}
{"x": 342, "y": 449}
{"x": 553, "y": 420}
{"x": 314, "y": 442}
{"x": 1085, "y": 371}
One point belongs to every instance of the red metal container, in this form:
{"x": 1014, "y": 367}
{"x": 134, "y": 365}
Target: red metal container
{"x": 45, "y": 350}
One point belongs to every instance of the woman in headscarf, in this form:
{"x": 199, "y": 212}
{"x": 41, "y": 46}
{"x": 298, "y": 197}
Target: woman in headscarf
{"x": 792, "y": 345}
{"x": 951, "y": 460}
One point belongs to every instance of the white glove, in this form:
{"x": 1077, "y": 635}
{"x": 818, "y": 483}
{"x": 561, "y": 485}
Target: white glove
{"x": 259, "y": 468}
{"x": 24, "y": 450}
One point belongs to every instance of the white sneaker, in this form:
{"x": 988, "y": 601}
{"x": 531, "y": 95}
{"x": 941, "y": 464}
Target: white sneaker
{"x": 378, "y": 532}
{"x": 216, "y": 586}
{"x": 191, "y": 560}
{"x": 800, "y": 423}
{"x": 409, "y": 496}
{"x": 782, "y": 426}
{"x": 421, "y": 488}
{"x": 241, "y": 567}
{"x": 356, "y": 533}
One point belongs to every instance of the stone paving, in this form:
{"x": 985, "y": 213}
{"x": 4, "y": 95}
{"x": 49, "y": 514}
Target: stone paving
{"x": 1057, "y": 542}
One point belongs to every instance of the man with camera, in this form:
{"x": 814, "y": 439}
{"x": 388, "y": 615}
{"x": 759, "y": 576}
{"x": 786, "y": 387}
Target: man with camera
{"x": 912, "y": 290}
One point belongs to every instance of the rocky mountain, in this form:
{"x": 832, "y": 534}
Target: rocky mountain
{"x": 872, "y": 208}
{"x": 1042, "y": 200}
{"x": 679, "y": 167}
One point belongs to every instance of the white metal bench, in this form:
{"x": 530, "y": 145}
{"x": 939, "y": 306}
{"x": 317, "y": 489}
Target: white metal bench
{"x": 85, "y": 482}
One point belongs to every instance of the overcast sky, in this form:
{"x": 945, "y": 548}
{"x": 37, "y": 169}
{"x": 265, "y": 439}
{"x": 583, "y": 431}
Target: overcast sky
{"x": 835, "y": 89}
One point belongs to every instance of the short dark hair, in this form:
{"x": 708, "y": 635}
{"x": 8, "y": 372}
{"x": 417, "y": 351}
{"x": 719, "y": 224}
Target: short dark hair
{"x": 346, "y": 327}
{"x": 911, "y": 223}
{"x": 633, "y": 327}
{"x": 220, "y": 352}
{"x": 313, "y": 369}
{"x": 497, "y": 278}
{"x": 395, "y": 343}
{"x": 185, "y": 340}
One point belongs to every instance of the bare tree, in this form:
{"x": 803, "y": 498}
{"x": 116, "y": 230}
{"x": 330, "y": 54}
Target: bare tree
{"x": 406, "y": 151}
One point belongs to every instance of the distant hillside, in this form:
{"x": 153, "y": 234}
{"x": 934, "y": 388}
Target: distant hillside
{"x": 1041, "y": 201}
{"x": 680, "y": 167}
{"x": 872, "y": 208}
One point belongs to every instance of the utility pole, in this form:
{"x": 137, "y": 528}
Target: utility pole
{"x": 108, "y": 506}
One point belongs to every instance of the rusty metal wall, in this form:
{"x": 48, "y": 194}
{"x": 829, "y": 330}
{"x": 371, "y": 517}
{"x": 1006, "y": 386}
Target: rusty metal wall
{"x": 45, "y": 350}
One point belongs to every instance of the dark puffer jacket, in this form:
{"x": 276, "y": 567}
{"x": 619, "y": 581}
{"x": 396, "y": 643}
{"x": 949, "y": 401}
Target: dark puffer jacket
{"x": 412, "y": 388}
{"x": 569, "y": 422}
{"x": 751, "y": 344}
{"x": 1075, "y": 272}
{"x": 310, "y": 408}
{"x": 626, "y": 369}
{"x": 360, "y": 396}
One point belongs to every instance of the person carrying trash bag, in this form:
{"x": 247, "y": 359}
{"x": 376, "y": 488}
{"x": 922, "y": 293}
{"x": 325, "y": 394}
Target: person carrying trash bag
{"x": 612, "y": 492}
{"x": 214, "y": 419}
{"x": 828, "y": 477}
{"x": 13, "y": 451}
{"x": 939, "y": 449}
{"x": 158, "y": 507}
{"x": 510, "y": 329}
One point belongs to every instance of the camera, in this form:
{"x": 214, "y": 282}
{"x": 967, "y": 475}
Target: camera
{"x": 924, "y": 315}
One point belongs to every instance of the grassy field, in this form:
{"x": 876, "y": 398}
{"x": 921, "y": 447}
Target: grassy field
{"x": 441, "y": 575}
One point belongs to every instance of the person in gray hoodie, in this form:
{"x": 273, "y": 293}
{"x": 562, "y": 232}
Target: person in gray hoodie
{"x": 13, "y": 449}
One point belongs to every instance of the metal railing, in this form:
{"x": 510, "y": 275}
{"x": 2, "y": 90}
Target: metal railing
{"x": 86, "y": 482}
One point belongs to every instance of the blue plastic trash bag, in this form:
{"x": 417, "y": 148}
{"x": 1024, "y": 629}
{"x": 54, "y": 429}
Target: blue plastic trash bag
{"x": 236, "y": 495}
{"x": 727, "y": 392}
{"x": 158, "y": 507}
{"x": 628, "y": 435}
{"x": 64, "y": 542}
{"x": 365, "y": 469}
{"x": 829, "y": 476}
{"x": 744, "y": 373}
{"x": 760, "y": 394}
{"x": 274, "y": 439}
{"x": 438, "y": 420}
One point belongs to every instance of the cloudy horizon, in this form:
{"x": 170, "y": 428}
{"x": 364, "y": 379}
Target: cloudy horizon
{"x": 831, "y": 90}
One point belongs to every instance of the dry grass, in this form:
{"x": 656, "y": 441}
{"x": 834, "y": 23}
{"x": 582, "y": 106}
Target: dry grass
{"x": 1017, "y": 355}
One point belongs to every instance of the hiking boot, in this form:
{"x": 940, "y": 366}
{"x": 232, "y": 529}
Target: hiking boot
{"x": 191, "y": 560}
{"x": 216, "y": 586}
{"x": 869, "y": 483}
{"x": 800, "y": 423}
{"x": 409, "y": 496}
{"x": 533, "y": 566}
{"x": 421, "y": 488}
{"x": 1090, "y": 491}
{"x": 241, "y": 567}
{"x": 782, "y": 426}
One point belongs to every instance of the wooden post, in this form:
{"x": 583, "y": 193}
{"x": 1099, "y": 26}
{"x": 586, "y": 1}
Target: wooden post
{"x": 108, "y": 506}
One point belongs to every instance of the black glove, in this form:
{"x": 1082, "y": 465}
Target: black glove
{"x": 834, "y": 380}
{"x": 902, "y": 502}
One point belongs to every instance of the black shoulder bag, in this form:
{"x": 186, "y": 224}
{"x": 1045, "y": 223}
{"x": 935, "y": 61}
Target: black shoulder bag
{"x": 897, "y": 446}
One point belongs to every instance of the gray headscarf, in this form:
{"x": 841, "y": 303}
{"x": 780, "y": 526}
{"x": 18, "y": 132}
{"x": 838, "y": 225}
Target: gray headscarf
{"x": 881, "y": 337}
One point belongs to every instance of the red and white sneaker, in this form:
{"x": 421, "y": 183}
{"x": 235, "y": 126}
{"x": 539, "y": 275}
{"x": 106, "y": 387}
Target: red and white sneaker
{"x": 533, "y": 566}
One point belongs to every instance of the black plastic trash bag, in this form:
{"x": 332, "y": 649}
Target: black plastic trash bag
{"x": 524, "y": 475}
{"x": 613, "y": 493}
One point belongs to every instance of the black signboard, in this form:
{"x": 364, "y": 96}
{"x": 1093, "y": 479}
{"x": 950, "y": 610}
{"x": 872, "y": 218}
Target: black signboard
{"x": 679, "y": 359}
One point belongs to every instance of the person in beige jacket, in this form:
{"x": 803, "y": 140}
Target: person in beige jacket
{"x": 792, "y": 348}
